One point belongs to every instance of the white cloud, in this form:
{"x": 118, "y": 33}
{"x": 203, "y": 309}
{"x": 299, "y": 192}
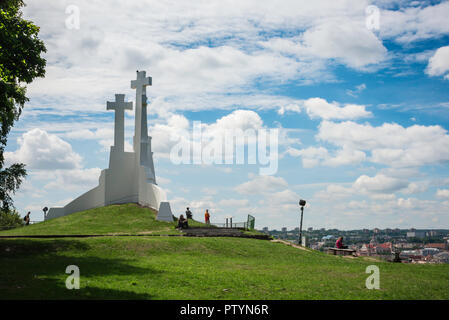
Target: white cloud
{"x": 233, "y": 202}
{"x": 41, "y": 150}
{"x": 443, "y": 193}
{"x": 261, "y": 185}
{"x": 314, "y": 156}
{"x": 320, "y": 108}
{"x": 379, "y": 187}
{"x": 358, "y": 89}
{"x": 348, "y": 41}
{"x": 390, "y": 144}
{"x": 72, "y": 180}
{"x": 415, "y": 23}
{"x": 194, "y": 51}
{"x": 345, "y": 156}
{"x": 290, "y": 107}
{"x": 379, "y": 184}
{"x": 311, "y": 156}
{"x": 439, "y": 63}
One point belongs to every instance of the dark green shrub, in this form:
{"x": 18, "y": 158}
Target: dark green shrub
{"x": 10, "y": 219}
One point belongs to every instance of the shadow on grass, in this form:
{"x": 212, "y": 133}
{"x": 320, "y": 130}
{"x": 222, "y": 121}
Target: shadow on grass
{"x": 36, "y": 270}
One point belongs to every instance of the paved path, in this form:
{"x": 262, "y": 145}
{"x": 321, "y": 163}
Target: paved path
{"x": 291, "y": 244}
{"x": 191, "y": 232}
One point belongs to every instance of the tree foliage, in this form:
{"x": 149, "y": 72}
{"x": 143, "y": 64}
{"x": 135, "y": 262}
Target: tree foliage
{"x": 10, "y": 219}
{"x": 20, "y": 63}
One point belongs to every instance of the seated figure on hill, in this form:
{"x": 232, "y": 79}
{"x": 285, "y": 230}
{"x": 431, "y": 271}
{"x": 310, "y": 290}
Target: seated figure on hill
{"x": 183, "y": 223}
{"x": 339, "y": 244}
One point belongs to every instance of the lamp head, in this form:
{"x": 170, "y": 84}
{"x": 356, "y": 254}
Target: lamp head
{"x": 302, "y": 203}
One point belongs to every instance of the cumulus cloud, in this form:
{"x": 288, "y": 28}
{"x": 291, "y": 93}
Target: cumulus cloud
{"x": 314, "y": 156}
{"x": 290, "y": 107}
{"x": 379, "y": 184}
{"x": 378, "y": 187}
{"x": 311, "y": 156}
{"x": 233, "y": 202}
{"x": 41, "y": 150}
{"x": 320, "y": 108}
{"x": 443, "y": 193}
{"x": 73, "y": 180}
{"x": 415, "y": 23}
{"x": 390, "y": 144}
{"x": 194, "y": 50}
{"x": 261, "y": 185}
{"x": 439, "y": 63}
{"x": 358, "y": 89}
{"x": 345, "y": 40}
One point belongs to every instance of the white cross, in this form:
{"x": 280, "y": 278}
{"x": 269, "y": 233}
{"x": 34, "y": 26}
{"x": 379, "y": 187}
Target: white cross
{"x": 140, "y": 85}
{"x": 119, "y": 128}
{"x": 141, "y": 81}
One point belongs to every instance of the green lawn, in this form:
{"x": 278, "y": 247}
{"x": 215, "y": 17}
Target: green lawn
{"x": 146, "y": 267}
{"x": 201, "y": 268}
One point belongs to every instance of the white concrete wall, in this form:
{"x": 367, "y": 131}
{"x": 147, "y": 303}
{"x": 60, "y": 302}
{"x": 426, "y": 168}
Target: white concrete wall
{"x": 122, "y": 184}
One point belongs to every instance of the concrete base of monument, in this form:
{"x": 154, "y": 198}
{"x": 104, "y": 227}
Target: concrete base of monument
{"x": 92, "y": 199}
{"x": 126, "y": 185}
{"x": 164, "y": 213}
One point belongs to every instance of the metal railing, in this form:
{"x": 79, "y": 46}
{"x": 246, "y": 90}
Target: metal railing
{"x": 231, "y": 225}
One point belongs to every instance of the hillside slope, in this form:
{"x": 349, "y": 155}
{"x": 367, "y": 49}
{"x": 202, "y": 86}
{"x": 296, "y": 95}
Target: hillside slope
{"x": 126, "y": 218}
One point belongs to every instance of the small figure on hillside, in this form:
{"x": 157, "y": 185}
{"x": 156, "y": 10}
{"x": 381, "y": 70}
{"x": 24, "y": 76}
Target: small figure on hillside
{"x": 339, "y": 244}
{"x": 207, "y": 216}
{"x": 188, "y": 213}
{"x": 27, "y": 218}
{"x": 183, "y": 223}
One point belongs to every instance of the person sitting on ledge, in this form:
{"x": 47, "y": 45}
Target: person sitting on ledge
{"x": 183, "y": 222}
{"x": 339, "y": 244}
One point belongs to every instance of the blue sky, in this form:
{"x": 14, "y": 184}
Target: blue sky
{"x": 357, "y": 89}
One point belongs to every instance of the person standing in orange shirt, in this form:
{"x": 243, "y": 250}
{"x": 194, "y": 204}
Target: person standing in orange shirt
{"x": 207, "y": 216}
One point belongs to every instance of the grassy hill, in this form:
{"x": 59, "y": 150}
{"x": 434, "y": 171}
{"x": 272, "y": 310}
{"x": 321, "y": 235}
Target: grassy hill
{"x": 114, "y": 219}
{"x": 141, "y": 267}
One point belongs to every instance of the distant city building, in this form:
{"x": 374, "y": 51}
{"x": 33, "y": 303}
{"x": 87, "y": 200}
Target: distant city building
{"x": 284, "y": 229}
{"x": 429, "y": 251}
{"x": 411, "y": 254}
{"x": 432, "y": 233}
{"x": 416, "y": 234}
{"x": 265, "y": 229}
{"x": 442, "y": 257}
{"x": 310, "y": 229}
{"x": 441, "y": 246}
{"x": 376, "y": 230}
{"x": 297, "y": 229}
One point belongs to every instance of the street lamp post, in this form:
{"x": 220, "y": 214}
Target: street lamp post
{"x": 302, "y": 203}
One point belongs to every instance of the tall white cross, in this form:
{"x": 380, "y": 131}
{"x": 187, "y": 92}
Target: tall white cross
{"x": 140, "y": 85}
{"x": 119, "y": 127}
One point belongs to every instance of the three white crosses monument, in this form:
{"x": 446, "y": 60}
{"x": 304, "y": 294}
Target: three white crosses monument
{"x": 130, "y": 176}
